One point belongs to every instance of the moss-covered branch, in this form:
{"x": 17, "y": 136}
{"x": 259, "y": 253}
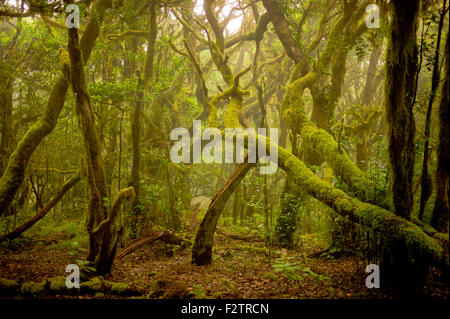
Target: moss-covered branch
{"x": 393, "y": 228}
{"x": 387, "y": 223}
{"x": 127, "y": 33}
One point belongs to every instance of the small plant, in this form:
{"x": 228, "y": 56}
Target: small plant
{"x": 199, "y": 292}
{"x": 294, "y": 269}
{"x": 86, "y": 269}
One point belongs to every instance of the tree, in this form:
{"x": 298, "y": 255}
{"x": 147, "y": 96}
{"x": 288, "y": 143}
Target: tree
{"x": 440, "y": 214}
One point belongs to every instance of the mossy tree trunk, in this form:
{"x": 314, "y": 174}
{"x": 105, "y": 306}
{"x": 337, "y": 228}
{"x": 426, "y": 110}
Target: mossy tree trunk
{"x": 425, "y": 181}
{"x": 72, "y": 181}
{"x": 420, "y": 249}
{"x": 363, "y": 133}
{"x": 399, "y": 92}
{"x": 202, "y": 247}
{"x": 101, "y": 218}
{"x": 292, "y": 199}
{"x": 204, "y": 238}
{"x": 6, "y": 114}
{"x": 399, "y": 95}
{"x": 439, "y": 219}
{"x": 143, "y": 81}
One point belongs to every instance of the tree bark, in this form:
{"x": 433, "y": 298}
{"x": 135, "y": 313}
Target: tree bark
{"x": 425, "y": 181}
{"x": 399, "y": 92}
{"x": 204, "y": 238}
{"x": 421, "y": 247}
{"x": 101, "y": 227}
{"x": 439, "y": 219}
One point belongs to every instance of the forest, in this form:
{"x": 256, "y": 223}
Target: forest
{"x": 224, "y": 149}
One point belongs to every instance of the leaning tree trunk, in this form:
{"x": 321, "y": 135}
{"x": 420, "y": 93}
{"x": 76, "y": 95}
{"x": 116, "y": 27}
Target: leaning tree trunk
{"x": 204, "y": 238}
{"x": 422, "y": 249}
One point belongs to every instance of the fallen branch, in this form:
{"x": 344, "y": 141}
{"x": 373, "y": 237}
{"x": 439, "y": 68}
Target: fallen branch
{"x": 164, "y": 236}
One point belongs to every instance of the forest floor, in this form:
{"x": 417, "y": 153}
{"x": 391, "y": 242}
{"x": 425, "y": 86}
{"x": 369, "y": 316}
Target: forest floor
{"x": 239, "y": 270}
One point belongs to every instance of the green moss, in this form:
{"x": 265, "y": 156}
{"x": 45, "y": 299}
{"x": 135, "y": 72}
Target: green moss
{"x": 33, "y": 288}
{"x": 7, "y": 285}
{"x": 93, "y": 285}
{"x": 340, "y": 162}
{"x": 231, "y": 117}
{"x": 377, "y": 218}
{"x": 119, "y": 288}
{"x": 58, "y": 284}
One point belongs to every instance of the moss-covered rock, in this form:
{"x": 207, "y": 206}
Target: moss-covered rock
{"x": 58, "y": 284}
{"x": 33, "y": 288}
{"x": 93, "y": 285}
{"x": 119, "y": 288}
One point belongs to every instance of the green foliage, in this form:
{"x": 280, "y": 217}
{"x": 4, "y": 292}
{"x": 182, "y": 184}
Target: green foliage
{"x": 286, "y": 225}
{"x": 199, "y": 292}
{"x": 295, "y": 270}
{"x": 122, "y": 91}
{"x": 361, "y": 49}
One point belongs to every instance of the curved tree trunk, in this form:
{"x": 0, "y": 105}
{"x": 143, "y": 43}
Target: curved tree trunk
{"x": 101, "y": 226}
{"x": 420, "y": 246}
{"x": 204, "y": 238}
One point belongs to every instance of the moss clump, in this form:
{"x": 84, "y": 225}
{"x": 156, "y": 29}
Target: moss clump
{"x": 58, "y": 284}
{"x": 33, "y": 288}
{"x": 93, "y": 285}
{"x": 7, "y": 285}
{"x": 119, "y": 288}
{"x": 231, "y": 118}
